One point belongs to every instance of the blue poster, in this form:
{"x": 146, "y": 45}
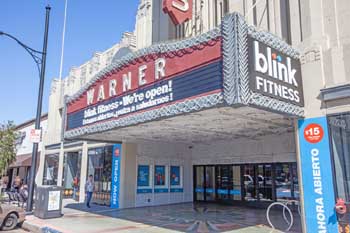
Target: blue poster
{"x": 143, "y": 176}
{"x": 159, "y": 175}
{"x": 174, "y": 175}
{"x": 117, "y": 149}
{"x": 317, "y": 177}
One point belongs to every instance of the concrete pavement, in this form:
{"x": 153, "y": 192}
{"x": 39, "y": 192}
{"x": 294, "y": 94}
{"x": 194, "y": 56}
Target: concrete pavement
{"x": 174, "y": 218}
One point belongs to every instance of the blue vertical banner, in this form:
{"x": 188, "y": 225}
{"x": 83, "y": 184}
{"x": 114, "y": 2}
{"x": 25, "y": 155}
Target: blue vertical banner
{"x": 117, "y": 153}
{"x": 317, "y": 177}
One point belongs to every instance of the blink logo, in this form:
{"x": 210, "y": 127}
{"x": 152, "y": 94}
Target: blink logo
{"x": 274, "y": 74}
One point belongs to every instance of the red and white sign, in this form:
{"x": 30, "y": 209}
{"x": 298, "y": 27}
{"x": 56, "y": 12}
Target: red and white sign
{"x": 35, "y": 135}
{"x": 178, "y": 10}
{"x": 143, "y": 72}
{"x": 313, "y": 133}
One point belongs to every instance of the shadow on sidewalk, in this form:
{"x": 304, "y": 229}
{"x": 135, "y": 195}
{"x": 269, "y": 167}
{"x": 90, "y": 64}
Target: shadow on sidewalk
{"x": 191, "y": 217}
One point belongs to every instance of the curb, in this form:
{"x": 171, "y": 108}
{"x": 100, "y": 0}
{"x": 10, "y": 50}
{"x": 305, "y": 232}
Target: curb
{"x": 37, "y": 229}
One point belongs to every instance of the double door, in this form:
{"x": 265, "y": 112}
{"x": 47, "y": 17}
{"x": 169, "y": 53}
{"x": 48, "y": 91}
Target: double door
{"x": 217, "y": 183}
{"x": 250, "y": 183}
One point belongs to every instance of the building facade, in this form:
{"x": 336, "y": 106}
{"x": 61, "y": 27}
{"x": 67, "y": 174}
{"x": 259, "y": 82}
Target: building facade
{"x": 24, "y": 147}
{"x": 250, "y": 107}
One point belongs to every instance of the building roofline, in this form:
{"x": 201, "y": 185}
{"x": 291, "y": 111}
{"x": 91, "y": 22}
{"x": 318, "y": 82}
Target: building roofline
{"x": 31, "y": 121}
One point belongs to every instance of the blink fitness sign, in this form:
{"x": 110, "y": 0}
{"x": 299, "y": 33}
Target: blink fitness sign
{"x": 275, "y": 74}
{"x": 315, "y": 160}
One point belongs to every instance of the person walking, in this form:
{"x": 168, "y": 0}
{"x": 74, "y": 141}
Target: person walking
{"x": 89, "y": 189}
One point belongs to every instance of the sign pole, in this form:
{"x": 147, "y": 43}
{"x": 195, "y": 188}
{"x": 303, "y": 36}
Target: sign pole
{"x": 38, "y": 114}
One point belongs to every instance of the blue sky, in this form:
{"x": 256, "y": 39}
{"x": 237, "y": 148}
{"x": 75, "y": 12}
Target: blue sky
{"x": 91, "y": 26}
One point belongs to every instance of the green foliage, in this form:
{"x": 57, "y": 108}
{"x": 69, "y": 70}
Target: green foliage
{"x": 7, "y": 145}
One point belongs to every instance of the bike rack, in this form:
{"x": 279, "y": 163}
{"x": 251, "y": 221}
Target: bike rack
{"x": 285, "y": 207}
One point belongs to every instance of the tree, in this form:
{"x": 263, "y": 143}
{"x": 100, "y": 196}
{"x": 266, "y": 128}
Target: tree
{"x": 7, "y": 145}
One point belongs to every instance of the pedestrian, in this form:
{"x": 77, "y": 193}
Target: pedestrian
{"x": 89, "y": 189}
{"x": 75, "y": 187}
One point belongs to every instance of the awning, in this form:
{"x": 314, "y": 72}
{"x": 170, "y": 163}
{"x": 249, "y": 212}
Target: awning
{"x": 23, "y": 161}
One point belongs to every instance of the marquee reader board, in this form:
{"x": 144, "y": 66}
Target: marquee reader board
{"x": 317, "y": 177}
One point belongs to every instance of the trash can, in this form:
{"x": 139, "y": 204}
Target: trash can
{"x": 48, "y": 202}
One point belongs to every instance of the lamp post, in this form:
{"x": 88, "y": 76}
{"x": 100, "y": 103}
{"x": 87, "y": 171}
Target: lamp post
{"x": 41, "y": 65}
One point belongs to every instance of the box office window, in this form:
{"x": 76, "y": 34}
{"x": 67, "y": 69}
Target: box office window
{"x": 339, "y": 126}
{"x": 51, "y": 169}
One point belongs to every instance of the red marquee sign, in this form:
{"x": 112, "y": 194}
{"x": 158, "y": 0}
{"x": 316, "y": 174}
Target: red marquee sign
{"x": 178, "y": 10}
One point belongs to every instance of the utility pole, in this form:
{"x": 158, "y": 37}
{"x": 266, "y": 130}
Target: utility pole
{"x": 38, "y": 114}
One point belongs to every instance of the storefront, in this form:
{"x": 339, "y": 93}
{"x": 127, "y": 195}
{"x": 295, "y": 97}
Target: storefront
{"x": 250, "y": 184}
{"x": 215, "y": 118}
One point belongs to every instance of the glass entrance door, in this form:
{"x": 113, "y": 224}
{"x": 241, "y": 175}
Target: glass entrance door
{"x": 223, "y": 182}
{"x": 199, "y": 183}
{"x": 209, "y": 183}
{"x": 264, "y": 182}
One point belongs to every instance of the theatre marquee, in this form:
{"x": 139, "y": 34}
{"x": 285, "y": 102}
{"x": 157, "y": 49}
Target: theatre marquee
{"x": 232, "y": 66}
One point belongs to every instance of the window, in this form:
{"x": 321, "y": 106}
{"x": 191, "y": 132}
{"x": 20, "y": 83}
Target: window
{"x": 71, "y": 174}
{"x": 51, "y": 169}
{"x": 285, "y": 21}
{"x": 100, "y": 166}
{"x": 339, "y": 126}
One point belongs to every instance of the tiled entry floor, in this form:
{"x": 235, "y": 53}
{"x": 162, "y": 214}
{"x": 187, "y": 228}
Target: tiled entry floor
{"x": 190, "y": 217}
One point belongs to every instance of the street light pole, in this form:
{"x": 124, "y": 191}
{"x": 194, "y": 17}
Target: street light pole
{"x": 41, "y": 65}
{"x": 38, "y": 114}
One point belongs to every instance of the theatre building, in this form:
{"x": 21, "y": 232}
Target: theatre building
{"x": 234, "y": 102}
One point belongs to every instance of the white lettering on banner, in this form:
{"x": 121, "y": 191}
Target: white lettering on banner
{"x": 126, "y": 82}
{"x": 160, "y": 68}
{"x": 185, "y": 6}
{"x": 112, "y": 88}
{"x": 90, "y": 96}
{"x": 280, "y": 71}
{"x": 159, "y": 72}
{"x": 115, "y": 180}
{"x": 142, "y": 75}
{"x": 130, "y": 103}
{"x": 283, "y": 81}
{"x": 318, "y": 189}
{"x": 101, "y": 93}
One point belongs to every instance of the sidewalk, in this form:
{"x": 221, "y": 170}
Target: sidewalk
{"x": 99, "y": 219}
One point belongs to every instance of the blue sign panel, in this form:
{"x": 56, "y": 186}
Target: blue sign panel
{"x": 199, "y": 190}
{"x": 315, "y": 159}
{"x": 176, "y": 190}
{"x": 159, "y": 175}
{"x": 165, "y": 190}
{"x": 235, "y": 192}
{"x": 174, "y": 175}
{"x": 140, "y": 191}
{"x": 117, "y": 149}
{"x": 143, "y": 176}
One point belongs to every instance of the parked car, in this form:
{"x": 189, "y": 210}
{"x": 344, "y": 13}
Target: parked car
{"x": 10, "y": 216}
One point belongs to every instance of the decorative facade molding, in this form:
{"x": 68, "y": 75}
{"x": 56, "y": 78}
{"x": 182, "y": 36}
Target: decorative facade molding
{"x": 310, "y": 55}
